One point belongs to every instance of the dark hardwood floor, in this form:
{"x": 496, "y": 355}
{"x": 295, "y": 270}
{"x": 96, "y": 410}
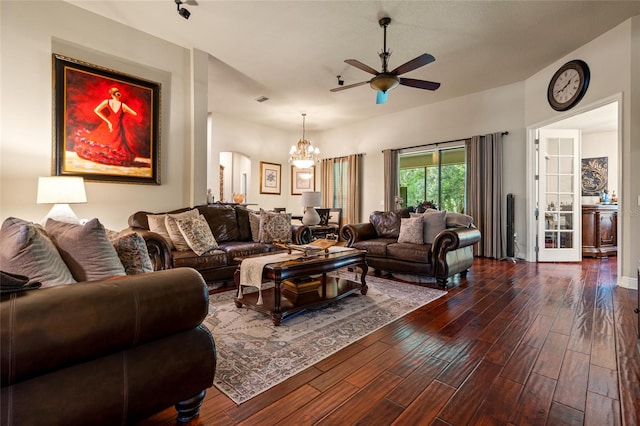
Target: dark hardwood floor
{"x": 512, "y": 344}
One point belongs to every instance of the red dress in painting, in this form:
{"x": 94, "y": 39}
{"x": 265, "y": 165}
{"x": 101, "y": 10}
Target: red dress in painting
{"x": 104, "y": 146}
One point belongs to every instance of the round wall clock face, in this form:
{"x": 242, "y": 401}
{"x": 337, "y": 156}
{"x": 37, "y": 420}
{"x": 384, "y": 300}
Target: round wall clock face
{"x": 568, "y": 85}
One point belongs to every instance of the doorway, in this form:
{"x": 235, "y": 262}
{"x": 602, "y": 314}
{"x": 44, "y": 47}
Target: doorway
{"x": 551, "y": 226}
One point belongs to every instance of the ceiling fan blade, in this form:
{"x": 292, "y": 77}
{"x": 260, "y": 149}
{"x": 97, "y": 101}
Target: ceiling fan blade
{"x": 418, "y": 62}
{"x": 381, "y": 97}
{"x": 364, "y": 67}
{"x": 337, "y": 89}
{"x": 420, "y": 84}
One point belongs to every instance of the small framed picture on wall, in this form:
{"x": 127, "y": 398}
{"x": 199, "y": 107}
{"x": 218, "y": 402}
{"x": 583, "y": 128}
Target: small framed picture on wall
{"x": 270, "y": 178}
{"x": 302, "y": 180}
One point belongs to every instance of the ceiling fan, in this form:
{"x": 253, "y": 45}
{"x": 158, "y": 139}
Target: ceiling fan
{"x": 387, "y": 80}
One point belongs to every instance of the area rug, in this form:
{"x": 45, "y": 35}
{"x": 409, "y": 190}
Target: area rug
{"x": 254, "y": 355}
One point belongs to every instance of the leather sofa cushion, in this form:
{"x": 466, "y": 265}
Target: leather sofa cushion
{"x": 212, "y": 259}
{"x": 375, "y": 247}
{"x": 420, "y": 253}
{"x": 236, "y": 249}
{"x": 222, "y": 221}
{"x": 244, "y": 226}
{"x": 386, "y": 224}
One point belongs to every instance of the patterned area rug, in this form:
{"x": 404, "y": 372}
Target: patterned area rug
{"x": 254, "y": 355}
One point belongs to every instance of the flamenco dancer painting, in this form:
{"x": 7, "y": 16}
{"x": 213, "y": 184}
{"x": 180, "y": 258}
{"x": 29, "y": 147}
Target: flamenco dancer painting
{"x": 111, "y": 142}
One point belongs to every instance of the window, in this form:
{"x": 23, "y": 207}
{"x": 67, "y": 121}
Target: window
{"x": 436, "y": 175}
{"x": 340, "y": 187}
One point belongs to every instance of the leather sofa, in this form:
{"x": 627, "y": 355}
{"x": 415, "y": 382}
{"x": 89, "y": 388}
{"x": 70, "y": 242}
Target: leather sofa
{"x": 106, "y": 352}
{"x": 231, "y": 228}
{"x": 450, "y": 252}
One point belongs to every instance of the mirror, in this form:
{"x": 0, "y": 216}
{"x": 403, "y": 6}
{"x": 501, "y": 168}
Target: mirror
{"x": 235, "y": 175}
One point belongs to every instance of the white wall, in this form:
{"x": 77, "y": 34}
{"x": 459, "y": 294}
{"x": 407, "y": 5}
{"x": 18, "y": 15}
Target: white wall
{"x": 614, "y": 62}
{"x": 30, "y": 33}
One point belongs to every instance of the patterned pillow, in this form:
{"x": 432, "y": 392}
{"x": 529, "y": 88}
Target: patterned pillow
{"x": 179, "y": 242}
{"x": 157, "y": 225}
{"x": 27, "y": 250}
{"x": 85, "y": 249}
{"x": 411, "y": 230}
{"x": 197, "y": 234}
{"x": 132, "y": 251}
{"x": 275, "y": 226}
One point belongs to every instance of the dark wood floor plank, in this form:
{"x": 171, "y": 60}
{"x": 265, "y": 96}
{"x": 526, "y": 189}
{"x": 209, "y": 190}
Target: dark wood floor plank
{"x": 535, "y": 401}
{"x": 499, "y": 333}
{"x": 602, "y": 411}
{"x": 572, "y": 386}
{"x": 462, "y": 406}
{"x": 426, "y": 406}
{"x": 362, "y": 401}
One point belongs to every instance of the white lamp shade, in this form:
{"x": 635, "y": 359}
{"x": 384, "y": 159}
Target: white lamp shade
{"x": 61, "y": 190}
{"x": 311, "y": 199}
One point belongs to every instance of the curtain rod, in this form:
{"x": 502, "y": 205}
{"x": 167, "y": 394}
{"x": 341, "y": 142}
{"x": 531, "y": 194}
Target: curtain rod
{"x": 440, "y": 143}
{"x": 344, "y": 156}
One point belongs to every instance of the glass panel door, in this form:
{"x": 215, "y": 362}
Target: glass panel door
{"x": 559, "y": 226}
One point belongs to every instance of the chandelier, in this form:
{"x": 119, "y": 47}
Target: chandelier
{"x": 303, "y": 155}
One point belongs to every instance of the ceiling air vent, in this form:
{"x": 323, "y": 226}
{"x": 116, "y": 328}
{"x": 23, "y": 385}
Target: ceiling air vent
{"x": 262, "y": 99}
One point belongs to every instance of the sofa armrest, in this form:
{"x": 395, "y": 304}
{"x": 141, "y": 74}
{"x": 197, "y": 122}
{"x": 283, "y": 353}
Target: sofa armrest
{"x": 48, "y": 329}
{"x": 158, "y": 248}
{"x": 301, "y": 234}
{"x": 353, "y": 233}
{"x": 449, "y": 240}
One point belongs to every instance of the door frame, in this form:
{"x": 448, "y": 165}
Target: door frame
{"x": 531, "y": 132}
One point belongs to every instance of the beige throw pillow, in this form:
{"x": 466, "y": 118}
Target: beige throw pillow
{"x": 85, "y": 249}
{"x": 178, "y": 240}
{"x": 254, "y": 224}
{"x": 157, "y": 225}
{"x": 411, "y": 230}
{"x": 433, "y": 222}
{"x": 27, "y": 250}
{"x": 197, "y": 234}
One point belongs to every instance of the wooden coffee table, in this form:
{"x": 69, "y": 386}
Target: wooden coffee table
{"x": 316, "y": 267}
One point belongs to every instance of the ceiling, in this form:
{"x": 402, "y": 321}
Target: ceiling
{"x": 292, "y": 51}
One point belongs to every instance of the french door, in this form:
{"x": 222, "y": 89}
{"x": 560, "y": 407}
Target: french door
{"x": 559, "y": 207}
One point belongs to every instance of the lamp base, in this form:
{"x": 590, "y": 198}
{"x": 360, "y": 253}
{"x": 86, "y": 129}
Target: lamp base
{"x": 61, "y": 213}
{"x": 311, "y": 217}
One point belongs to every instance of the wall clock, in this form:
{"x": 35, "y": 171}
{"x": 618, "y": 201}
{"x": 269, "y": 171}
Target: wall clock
{"x": 568, "y": 85}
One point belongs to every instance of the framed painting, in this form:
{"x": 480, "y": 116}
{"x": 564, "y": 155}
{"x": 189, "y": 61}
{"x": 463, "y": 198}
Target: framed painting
{"x": 595, "y": 175}
{"x": 270, "y": 178}
{"x": 106, "y": 124}
{"x": 302, "y": 180}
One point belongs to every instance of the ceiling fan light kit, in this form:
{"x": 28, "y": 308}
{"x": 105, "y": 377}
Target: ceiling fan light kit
{"x": 386, "y": 80}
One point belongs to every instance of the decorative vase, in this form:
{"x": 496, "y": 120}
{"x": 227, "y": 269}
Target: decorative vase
{"x": 238, "y": 198}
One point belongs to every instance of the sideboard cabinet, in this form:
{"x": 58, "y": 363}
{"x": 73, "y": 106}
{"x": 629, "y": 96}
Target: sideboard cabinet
{"x": 599, "y": 230}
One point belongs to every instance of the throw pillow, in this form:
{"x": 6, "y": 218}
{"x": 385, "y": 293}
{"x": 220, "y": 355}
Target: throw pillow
{"x": 178, "y": 240}
{"x": 275, "y": 226}
{"x": 197, "y": 234}
{"x": 157, "y": 225}
{"x": 386, "y": 224}
{"x": 28, "y": 250}
{"x": 433, "y": 223}
{"x": 411, "y": 230}
{"x": 132, "y": 251}
{"x": 254, "y": 223}
{"x": 85, "y": 249}
{"x": 459, "y": 219}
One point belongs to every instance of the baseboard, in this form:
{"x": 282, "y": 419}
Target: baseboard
{"x": 628, "y": 282}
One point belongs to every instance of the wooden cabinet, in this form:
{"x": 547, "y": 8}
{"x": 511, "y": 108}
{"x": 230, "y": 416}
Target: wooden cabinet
{"x": 599, "y": 230}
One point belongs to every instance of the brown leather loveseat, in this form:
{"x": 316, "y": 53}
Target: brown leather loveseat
{"x": 106, "y": 352}
{"x": 231, "y": 227}
{"x": 448, "y": 252}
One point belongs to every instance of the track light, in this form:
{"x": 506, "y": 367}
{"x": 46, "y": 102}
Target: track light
{"x": 340, "y": 81}
{"x": 182, "y": 12}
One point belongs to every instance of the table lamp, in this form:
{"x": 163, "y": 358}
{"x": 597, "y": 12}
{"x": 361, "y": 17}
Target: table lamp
{"x": 310, "y": 200}
{"x": 61, "y": 191}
